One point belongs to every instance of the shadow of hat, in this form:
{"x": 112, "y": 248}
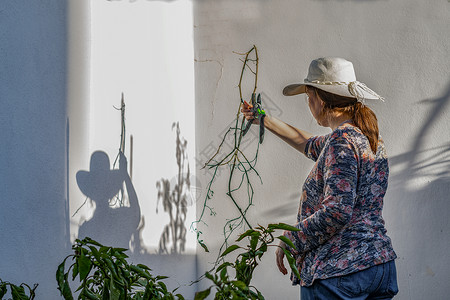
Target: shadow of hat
{"x": 100, "y": 182}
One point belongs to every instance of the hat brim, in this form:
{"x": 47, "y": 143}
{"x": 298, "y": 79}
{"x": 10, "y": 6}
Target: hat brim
{"x": 341, "y": 90}
{"x": 108, "y": 184}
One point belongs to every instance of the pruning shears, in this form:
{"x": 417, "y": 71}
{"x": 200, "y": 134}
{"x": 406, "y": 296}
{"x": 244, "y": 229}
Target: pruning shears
{"x": 259, "y": 113}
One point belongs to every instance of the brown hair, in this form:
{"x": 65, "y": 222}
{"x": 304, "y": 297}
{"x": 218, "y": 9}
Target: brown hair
{"x": 363, "y": 117}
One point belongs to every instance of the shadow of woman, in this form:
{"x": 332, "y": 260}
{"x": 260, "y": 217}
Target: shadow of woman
{"x": 111, "y": 226}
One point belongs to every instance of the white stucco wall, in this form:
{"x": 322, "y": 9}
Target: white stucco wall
{"x": 144, "y": 50}
{"x": 62, "y": 73}
{"x": 34, "y": 233}
{"x": 400, "y": 49}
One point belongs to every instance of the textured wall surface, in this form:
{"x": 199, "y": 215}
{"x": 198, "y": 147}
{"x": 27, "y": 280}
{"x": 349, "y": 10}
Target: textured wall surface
{"x": 48, "y": 119}
{"x": 33, "y": 216}
{"x": 143, "y": 49}
{"x": 400, "y": 49}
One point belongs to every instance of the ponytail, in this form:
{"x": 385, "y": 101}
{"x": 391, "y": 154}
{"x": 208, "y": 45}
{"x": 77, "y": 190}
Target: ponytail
{"x": 363, "y": 117}
{"x": 366, "y": 120}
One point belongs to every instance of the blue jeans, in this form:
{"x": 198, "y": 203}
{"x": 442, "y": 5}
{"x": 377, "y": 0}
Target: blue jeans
{"x": 377, "y": 282}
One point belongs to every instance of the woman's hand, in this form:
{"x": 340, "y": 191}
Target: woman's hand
{"x": 279, "y": 253}
{"x": 246, "y": 109}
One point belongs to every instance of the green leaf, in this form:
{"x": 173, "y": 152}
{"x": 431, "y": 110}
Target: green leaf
{"x": 105, "y": 295}
{"x": 115, "y": 292}
{"x": 63, "y": 284}
{"x": 84, "y": 266}
{"x": 202, "y": 294}
{"x": 263, "y": 248}
{"x": 148, "y": 292}
{"x": 224, "y": 265}
{"x": 60, "y": 274}
{"x": 230, "y": 249}
{"x": 120, "y": 249}
{"x": 18, "y": 292}
{"x": 287, "y": 241}
{"x": 111, "y": 266}
{"x": 254, "y": 242}
{"x": 239, "y": 284}
{"x": 223, "y": 275}
{"x": 3, "y": 290}
{"x": 291, "y": 262}
{"x": 67, "y": 293}
{"x": 283, "y": 226}
{"x": 203, "y": 246}
{"x": 162, "y": 284}
{"x": 103, "y": 249}
{"x": 95, "y": 253}
{"x": 179, "y": 296}
{"x": 75, "y": 271}
{"x": 90, "y": 295}
{"x": 90, "y": 241}
{"x": 140, "y": 272}
{"x": 143, "y": 267}
{"x": 245, "y": 234}
{"x": 209, "y": 276}
{"x": 121, "y": 256}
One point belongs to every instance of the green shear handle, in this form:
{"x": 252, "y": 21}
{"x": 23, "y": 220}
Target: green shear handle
{"x": 259, "y": 112}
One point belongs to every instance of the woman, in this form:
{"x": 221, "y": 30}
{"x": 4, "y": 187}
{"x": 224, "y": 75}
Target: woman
{"x": 342, "y": 250}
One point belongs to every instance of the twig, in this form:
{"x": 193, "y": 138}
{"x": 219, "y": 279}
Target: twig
{"x": 236, "y": 161}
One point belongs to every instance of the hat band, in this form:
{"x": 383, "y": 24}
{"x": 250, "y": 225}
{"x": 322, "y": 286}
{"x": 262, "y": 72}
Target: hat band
{"x": 355, "y": 88}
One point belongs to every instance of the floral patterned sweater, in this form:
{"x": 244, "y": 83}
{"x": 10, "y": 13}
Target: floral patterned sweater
{"x": 342, "y": 230}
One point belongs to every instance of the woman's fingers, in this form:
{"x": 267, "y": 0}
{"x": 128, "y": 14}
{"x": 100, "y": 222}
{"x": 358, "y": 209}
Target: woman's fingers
{"x": 247, "y": 105}
{"x": 280, "y": 261}
{"x": 247, "y": 112}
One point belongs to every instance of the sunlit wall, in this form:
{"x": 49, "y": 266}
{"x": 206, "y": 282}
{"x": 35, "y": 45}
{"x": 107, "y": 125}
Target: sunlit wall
{"x": 144, "y": 50}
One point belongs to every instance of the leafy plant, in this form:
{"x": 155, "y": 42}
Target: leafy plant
{"x": 239, "y": 286}
{"x": 104, "y": 273}
{"x": 17, "y": 292}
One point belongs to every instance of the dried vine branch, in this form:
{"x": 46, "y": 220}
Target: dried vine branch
{"x": 236, "y": 161}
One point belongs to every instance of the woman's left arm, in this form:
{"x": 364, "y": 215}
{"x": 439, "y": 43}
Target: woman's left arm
{"x": 340, "y": 176}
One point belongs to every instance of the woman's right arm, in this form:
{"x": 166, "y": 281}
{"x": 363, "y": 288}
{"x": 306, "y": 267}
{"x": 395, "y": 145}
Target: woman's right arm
{"x": 293, "y": 136}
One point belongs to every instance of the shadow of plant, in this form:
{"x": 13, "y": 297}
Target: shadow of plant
{"x": 418, "y": 203}
{"x": 174, "y": 200}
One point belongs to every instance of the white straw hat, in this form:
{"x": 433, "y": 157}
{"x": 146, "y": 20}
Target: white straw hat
{"x": 334, "y": 75}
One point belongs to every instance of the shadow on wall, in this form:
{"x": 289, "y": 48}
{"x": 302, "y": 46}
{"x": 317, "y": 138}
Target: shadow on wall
{"x": 418, "y": 200}
{"x": 109, "y": 225}
{"x": 174, "y": 197}
{"x": 117, "y": 220}
{"x": 434, "y": 162}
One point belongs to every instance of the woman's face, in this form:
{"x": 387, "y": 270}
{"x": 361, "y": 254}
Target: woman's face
{"x": 315, "y": 104}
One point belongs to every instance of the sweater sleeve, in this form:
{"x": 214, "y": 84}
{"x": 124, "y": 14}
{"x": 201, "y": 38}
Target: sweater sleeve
{"x": 314, "y": 146}
{"x": 336, "y": 202}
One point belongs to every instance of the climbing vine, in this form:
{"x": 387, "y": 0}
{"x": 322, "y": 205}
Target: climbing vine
{"x": 238, "y": 163}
